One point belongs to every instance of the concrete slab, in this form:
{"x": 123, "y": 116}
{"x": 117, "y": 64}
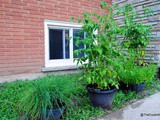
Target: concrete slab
{"x": 145, "y": 109}
{"x": 32, "y": 76}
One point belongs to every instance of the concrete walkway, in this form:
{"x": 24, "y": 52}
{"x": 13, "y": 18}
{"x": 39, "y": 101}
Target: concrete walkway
{"x": 31, "y": 76}
{"x": 145, "y": 109}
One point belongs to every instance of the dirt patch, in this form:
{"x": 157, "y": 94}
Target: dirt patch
{"x": 136, "y": 105}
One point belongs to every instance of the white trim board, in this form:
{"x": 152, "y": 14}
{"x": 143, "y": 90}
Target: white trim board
{"x": 49, "y": 24}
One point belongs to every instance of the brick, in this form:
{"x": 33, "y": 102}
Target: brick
{"x": 15, "y": 2}
{"x": 8, "y": 5}
{"x": 28, "y": 8}
{"x": 19, "y": 18}
{"x": 30, "y": 30}
{"x": 13, "y": 14}
{"x": 7, "y": 29}
{"x": 5, "y": 17}
{"x": 13, "y": 22}
{"x": 14, "y": 46}
{"x": 14, "y": 37}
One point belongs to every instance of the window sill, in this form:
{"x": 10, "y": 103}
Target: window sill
{"x": 61, "y": 68}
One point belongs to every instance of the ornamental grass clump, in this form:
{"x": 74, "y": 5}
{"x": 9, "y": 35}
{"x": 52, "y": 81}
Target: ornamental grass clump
{"x": 50, "y": 92}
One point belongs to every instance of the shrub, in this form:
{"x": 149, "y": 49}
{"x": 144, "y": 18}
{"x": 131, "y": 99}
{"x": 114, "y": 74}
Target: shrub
{"x": 102, "y": 51}
{"x": 136, "y": 35}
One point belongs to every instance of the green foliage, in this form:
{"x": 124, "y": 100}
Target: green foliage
{"x": 120, "y": 98}
{"x": 11, "y": 93}
{"x": 83, "y": 110}
{"x": 47, "y": 92}
{"x": 101, "y": 51}
{"x": 35, "y": 100}
{"x": 136, "y": 35}
{"x": 130, "y": 73}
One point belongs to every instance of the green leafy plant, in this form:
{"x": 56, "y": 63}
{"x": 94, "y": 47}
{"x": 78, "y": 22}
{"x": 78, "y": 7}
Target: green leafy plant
{"x": 49, "y": 92}
{"x": 9, "y": 98}
{"x": 130, "y": 73}
{"x": 136, "y": 35}
{"x": 101, "y": 51}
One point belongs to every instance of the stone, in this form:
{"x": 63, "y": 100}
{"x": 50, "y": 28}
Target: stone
{"x": 155, "y": 7}
{"x": 157, "y": 47}
{"x": 153, "y": 18}
{"x": 157, "y": 57}
{"x": 158, "y": 34}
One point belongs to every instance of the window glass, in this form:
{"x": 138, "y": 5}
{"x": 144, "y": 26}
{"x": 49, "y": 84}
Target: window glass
{"x": 78, "y": 33}
{"x": 59, "y": 44}
{"x": 55, "y": 44}
{"x": 67, "y": 54}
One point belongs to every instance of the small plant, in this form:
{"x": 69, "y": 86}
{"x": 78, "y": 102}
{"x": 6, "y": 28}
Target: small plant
{"x": 47, "y": 93}
{"x": 133, "y": 74}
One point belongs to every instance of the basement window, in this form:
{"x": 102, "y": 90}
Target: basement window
{"x": 60, "y": 42}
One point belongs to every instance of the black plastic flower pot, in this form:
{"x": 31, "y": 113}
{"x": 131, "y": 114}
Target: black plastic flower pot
{"x": 123, "y": 86}
{"x": 137, "y": 88}
{"x": 100, "y": 98}
{"x": 54, "y": 114}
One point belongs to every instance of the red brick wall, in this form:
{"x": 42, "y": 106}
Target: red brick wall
{"x": 22, "y": 30}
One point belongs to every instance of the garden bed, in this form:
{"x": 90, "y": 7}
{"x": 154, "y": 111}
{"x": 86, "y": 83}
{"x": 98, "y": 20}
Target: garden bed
{"x": 12, "y": 92}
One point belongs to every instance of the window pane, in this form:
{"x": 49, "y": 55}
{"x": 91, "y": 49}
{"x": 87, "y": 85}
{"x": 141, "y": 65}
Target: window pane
{"x": 78, "y": 33}
{"x": 67, "y": 55}
{"x": 55, "y": 44}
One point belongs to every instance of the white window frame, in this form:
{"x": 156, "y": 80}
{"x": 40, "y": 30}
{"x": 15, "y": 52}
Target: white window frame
{"x": 49, "y": 24}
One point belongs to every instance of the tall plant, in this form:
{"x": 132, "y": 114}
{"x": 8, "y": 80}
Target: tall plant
{"x": 102, "y": 51}
{"x": 135, "y": 34}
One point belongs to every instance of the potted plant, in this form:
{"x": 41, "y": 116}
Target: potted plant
{"x": 135, "y": 77}
{"x": 136, "y": 37}
{"x": 47, "y": 98}
{"x": 100, "y": 60}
